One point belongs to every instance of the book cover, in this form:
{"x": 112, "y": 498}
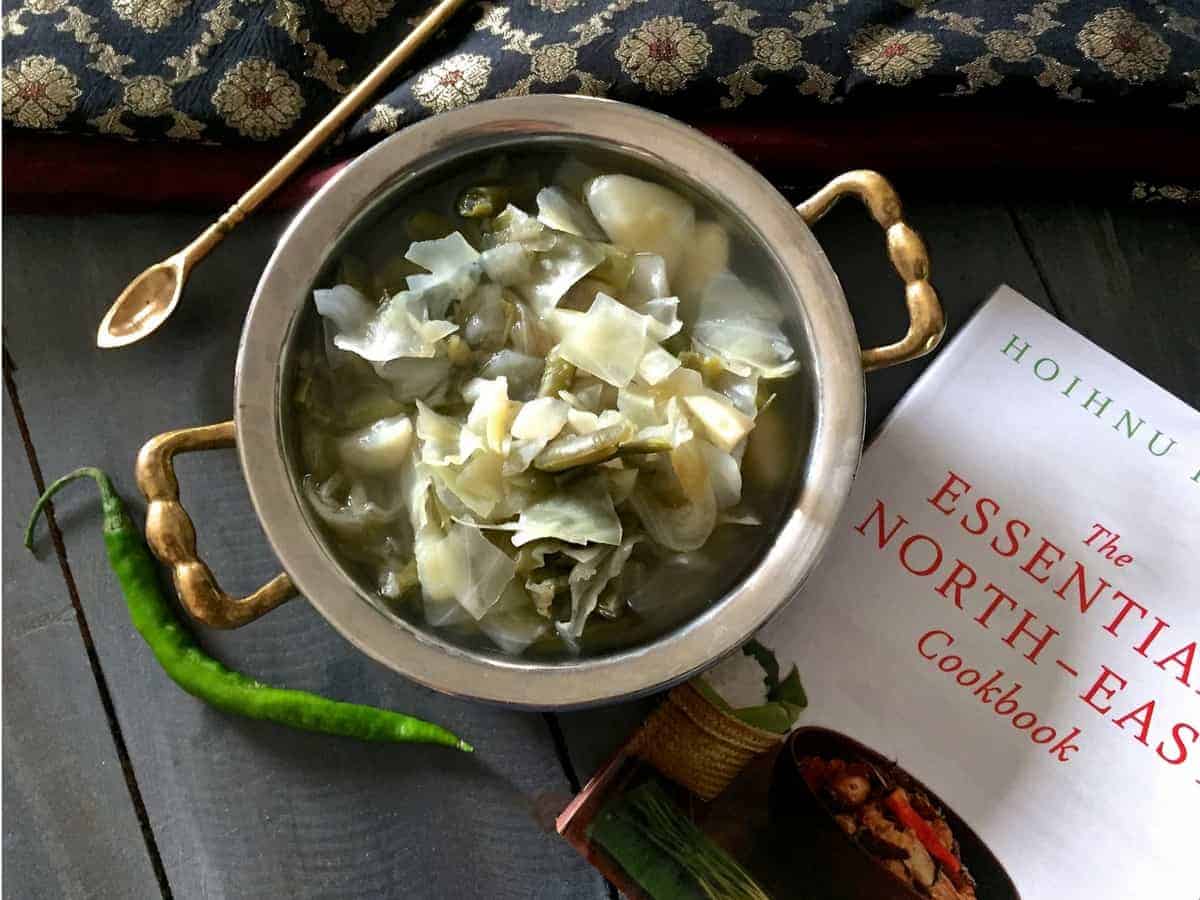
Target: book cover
{"x": 1001, "y": 637}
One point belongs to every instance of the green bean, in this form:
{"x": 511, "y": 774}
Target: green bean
{"x": 572, "y": 450}
{"x": 458, "y": 351}
{"x": 645, "y": 445}
{"x": 615, "y": 269}
{"x": 403, "y": 580}
{"x": 482, "y": 202}
{"x": 710, "y": 367}
{"x": 204, "y": 677}
{"x": 557, "y": 376}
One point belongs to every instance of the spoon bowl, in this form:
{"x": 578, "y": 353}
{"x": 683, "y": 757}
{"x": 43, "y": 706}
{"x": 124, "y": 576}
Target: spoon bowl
{"x": 145, "y": 303}
{"x": 152, "y": 296}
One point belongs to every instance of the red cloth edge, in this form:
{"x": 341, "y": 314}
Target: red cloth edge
{"x": 64, "y": 173}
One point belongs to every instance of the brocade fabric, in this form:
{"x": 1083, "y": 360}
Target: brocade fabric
{"x": 229, "y": 71}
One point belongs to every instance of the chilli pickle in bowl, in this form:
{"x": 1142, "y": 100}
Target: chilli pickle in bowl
{"x": 531, "y": 413}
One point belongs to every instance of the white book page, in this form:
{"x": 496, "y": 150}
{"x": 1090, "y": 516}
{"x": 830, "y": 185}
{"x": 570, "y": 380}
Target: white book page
{"x": 1085, "y": 780}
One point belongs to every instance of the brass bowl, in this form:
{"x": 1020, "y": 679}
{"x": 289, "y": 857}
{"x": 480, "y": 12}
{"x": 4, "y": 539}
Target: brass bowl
{"x": 832, "y": 365}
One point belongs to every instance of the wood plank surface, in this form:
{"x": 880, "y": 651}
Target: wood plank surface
{"x": 70, "y": 828}
{"x": 241, "y": 809}
{"x": 244, "y": 809}
{"x": 1127, "y": 278}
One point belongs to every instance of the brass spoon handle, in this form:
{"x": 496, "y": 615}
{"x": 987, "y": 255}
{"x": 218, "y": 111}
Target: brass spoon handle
{"x": 321, "y": 132}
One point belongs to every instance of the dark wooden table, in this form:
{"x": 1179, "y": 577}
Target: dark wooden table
{"x": 118, "y": 785}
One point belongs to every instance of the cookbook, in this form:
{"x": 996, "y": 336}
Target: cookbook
{"x": 989, "y": 687}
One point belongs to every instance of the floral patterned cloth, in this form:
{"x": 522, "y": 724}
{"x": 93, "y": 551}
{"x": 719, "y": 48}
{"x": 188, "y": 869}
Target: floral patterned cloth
{"x": 253, "y": 70}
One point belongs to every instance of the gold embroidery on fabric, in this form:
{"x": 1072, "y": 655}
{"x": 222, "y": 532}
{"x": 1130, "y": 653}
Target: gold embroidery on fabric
{"x": 384, "y": 119}
{"x": 149, "y": 15}
{"x": 1019, "y": 45}
{"x": 105, "y": 57}
{"x": 1192, "y": 97}
{"x": 597, "y": 25}
{"x": 359, "y": 15}
{"x": 893, "y": 57}
{"x": 45, "y": 7}
{"x": 184, "y": 127}
{"x": 142, "y": 95}
{"x": 1061, "y": 77}
{"x": 1174, "y": 193}
{"x": 11, "y": 22}
{"x": 1124, "y": 46}
{"x": 39, "y": 92}
{"x": 258, "y": 98}
{"x": 551, "y": 64}
{"x": 453, "y": 82}
{"x": 777, "y": 49}
{"x": 1010, "y": 46}
{"x": 1181, "y": 24}
{"x": 109, "y": 122}
{"x": 736, "y": 17}
{"x": 221, "y": 23}
{"x": 554, "y": 6}
{"x": 664, "y": 53}
{"x": 495, "y": 21}
{"x": 147, "y": 95}
{"x": 289, "y": 16}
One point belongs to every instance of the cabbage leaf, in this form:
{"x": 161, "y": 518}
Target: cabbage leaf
{"x": 579, "y": 513}
{"x": 608, "y": 341}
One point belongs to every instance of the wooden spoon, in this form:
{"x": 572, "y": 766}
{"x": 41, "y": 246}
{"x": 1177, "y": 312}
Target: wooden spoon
{"x": 151, "y": 297}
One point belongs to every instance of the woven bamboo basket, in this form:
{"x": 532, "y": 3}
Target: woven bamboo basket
{"x": 697, "y": 745}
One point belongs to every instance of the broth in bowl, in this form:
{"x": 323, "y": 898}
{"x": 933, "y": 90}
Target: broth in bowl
{"x": 546, "y": 406}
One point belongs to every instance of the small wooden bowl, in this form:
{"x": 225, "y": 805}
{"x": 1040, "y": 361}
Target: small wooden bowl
{"x": 830, "y": 864}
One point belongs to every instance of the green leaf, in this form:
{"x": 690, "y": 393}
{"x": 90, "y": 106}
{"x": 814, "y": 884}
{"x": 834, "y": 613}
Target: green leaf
{"x": 710, "y": 694}
{"x": 765, "y": 657}
{"x": 790, "y": 691}
{"x": 775, "y": 717}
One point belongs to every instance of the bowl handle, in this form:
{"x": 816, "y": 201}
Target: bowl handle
{"x": 926, "y": 324}
{"x": 172, "y": 536}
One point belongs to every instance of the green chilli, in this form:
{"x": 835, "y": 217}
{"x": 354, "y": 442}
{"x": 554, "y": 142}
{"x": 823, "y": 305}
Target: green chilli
{"x": 204, "y": 677}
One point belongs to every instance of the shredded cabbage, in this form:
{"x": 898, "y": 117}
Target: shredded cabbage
{"x": 648, "y": 280}
{"x": 522, "y": 371}
{"x": 350, "y": 514}
{"x": 416, "y": 379}
{"x": 380, "y": 447}
{"x": 454, "y": 270}
{"x": 587, "y": 580}
{"x": 401, "y": 327}
{"x": 464, "y": 566}
{"x": 559, "y": 210}
{"x": 540, "y": 418}
{"x": 676, "y": 501}
{"x": 579, "y": 513}
{"x": 554, "y": 411}
{"x": 608, "y": 341}
{"x": 513, "y": 622}
{"x": 742, "y": 327}
{"x": 642, "y": 216}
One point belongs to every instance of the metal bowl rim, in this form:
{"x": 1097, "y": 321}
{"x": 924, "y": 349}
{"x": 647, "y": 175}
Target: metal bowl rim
{"x": 807, "y": 525}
